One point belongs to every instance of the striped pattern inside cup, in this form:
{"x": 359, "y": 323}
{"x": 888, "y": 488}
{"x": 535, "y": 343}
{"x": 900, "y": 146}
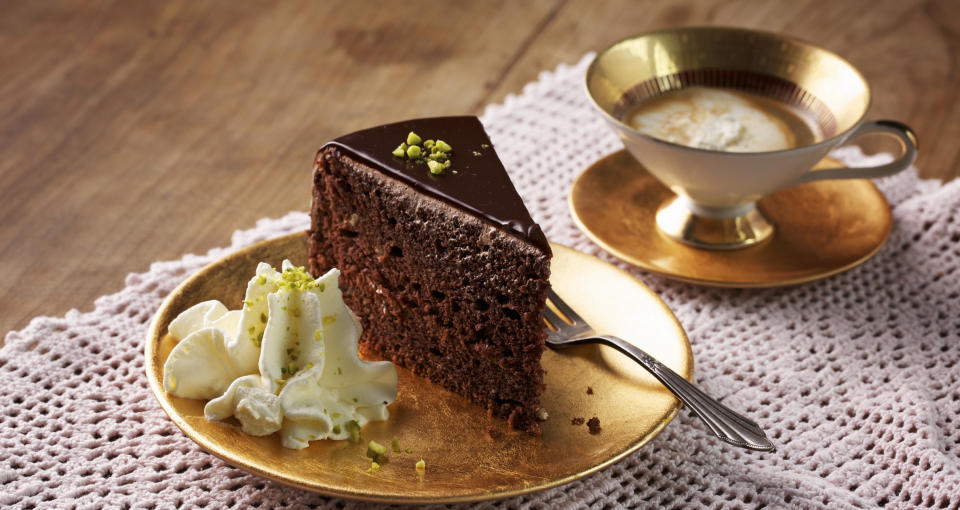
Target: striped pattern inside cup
{"x": 763, "y": 85}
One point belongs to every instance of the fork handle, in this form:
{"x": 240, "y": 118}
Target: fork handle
{"x": 725, "y": 423}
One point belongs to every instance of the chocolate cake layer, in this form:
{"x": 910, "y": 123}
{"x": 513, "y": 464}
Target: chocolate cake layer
{"x": 449, "y": 294}
{"x": 480, "y": 185}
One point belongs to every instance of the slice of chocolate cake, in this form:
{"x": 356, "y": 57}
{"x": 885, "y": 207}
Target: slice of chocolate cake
{"x": 439, "y": 258}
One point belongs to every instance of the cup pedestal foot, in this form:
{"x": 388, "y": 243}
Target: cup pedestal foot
{"x": 746, "y": 228}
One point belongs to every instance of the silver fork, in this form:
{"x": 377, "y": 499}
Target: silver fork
{"x": 726, "y": 424}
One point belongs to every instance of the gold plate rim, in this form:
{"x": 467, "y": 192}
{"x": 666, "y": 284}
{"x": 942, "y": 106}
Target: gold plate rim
{"x": 734, "y": 284}
{"x": 155, "y": 376}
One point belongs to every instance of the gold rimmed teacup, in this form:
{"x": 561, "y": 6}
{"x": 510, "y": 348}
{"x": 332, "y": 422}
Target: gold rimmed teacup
{"x": 717, "y": 191}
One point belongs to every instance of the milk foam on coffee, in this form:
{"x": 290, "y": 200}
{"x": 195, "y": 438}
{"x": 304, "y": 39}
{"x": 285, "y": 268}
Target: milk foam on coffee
{"x": 721, "y": 120}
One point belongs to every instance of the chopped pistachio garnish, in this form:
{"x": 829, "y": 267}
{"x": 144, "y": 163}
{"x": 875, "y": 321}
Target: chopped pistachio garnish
{"x": 353, "y": 428}
{"x": 409, "y": 450}
{"x": 298, "y": 278}
{"x": 395, "y": 445}
{"x": 263, "y": 318}
{"x": 415, "y": 150}
{"x": 336, "y": 429}
{"x": 375, "y": 450}
{"x": 484, "y": 145}
{"x": 421, "y": 466}
{"x": 257, "y": 340}
{"x": 290, "y": 370}
{"x": 329, "y": 319}
{"x": 373, "y": 467}
{"x": 477, "y": 153}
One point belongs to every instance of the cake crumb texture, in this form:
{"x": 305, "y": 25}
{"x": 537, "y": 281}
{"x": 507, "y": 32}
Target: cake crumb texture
{"x": 437, "y": 290}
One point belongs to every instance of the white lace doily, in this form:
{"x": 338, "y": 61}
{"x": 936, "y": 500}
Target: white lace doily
{"x": 856, "y": 378}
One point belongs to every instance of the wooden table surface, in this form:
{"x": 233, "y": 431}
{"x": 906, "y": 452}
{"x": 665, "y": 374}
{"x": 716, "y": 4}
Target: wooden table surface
{"x": 132, "y": 132}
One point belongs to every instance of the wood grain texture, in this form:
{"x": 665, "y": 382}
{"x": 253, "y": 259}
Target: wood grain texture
{"x": 909, "y": 51}
{"x": 139, "y": 131}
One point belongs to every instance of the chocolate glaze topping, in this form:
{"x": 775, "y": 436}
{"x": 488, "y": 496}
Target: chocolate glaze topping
{"x": 481, "y": 185}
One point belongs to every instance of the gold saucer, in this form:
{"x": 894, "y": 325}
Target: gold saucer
{"x": 462, "y": 462}
{"x": 820, "y": 228}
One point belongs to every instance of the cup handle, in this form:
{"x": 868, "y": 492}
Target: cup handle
{"x": 908, "y": 140}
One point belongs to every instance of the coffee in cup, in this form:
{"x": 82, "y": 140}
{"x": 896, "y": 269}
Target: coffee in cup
{"x": 724, "y": 117}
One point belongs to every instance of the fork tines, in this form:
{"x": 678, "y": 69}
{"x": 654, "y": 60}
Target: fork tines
{"x": 563, "y": 307}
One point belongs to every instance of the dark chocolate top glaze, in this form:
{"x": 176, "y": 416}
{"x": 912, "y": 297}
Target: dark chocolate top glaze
{"x": 480, "y": 185}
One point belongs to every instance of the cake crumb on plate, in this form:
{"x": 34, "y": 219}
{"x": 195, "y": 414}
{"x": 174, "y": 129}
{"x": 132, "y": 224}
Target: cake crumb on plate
{"x": 594, "y": 424}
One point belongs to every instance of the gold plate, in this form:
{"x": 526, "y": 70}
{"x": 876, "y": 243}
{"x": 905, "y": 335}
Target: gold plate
{"x": 450, "y": 434}
{"x": 820, "y": 228}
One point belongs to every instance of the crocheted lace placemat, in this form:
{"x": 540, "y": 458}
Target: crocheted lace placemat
{"x": 856, "y": 377}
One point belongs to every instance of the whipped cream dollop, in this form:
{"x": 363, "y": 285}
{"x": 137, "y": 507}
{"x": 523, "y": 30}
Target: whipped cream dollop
{"x": 287, "y": 361}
